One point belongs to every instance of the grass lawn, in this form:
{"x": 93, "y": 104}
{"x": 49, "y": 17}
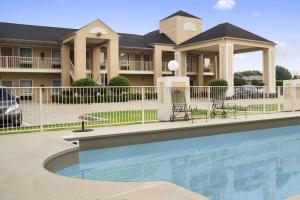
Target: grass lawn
{"x": 131, "y": 117}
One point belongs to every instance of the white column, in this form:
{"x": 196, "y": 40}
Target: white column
{"x": 269, "y": 72}
{"x": 80, "y": 57}
{"x": 96, "y": 74}
{"x": 180, "y": 57}
{"x": 200, "y": 70}
{"x": 226, "y": 52}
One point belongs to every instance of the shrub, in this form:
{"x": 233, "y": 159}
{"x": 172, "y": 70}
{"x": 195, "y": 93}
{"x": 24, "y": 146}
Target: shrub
{"x": 255, "y": 82}
{"x": 218, "y": 82}
{"x": 218, "y": 88}
{"x": 279, "y": 83}
{"x": 85, "y": 82}
{"x": 239, "y": 81}
{"x": 119, "y": 81}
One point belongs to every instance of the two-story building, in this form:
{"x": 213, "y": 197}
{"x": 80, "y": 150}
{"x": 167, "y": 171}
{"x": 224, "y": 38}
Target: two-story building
{"x": 47, "y": 56}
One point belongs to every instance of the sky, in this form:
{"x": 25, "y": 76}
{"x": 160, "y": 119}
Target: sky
{"x": 276, "y": 20}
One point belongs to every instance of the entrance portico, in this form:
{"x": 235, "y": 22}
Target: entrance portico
{"x": 88, "y": 41}
{"x": 220, "y": 53}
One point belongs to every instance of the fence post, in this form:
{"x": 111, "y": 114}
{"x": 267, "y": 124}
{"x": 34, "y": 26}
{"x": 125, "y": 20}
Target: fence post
{"x": 293, "y": 98}
{"x": 143, "y": 109}
{"x": 264, "y": 98}
{"x": 41, "y": 109}
{"x": 208, "y": 99}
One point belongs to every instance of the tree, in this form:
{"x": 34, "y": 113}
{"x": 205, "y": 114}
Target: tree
{"x": 239, "y": 81}
{"x": 283, "y": 73}
{"x": 248, "y": 73}
{"x": 255, "y": 82}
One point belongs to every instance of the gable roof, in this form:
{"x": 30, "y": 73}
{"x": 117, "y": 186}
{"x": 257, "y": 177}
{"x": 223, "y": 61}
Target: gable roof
{"x": 144, "y": 41}
{"x": 181, "y": 13}
{"x": 225, "y": 30}
{"x": 35, "y": 33}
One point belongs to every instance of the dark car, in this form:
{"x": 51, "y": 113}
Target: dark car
{"x": 10, "y": 111}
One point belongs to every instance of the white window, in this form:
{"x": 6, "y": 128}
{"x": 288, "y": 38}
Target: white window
{"x": 25, "y": 52}
{"x": 26, "y": 86}
{"x": 55, "y": 54}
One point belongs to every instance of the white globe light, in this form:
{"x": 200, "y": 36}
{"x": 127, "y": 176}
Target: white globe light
{"x": 173, "y": 65}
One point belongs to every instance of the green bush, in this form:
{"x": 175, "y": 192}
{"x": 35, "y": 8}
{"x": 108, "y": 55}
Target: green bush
{"x": 85, "y": 82}
{"x": 255, "y": 82}
{"x": 279, "y": 83}
{"x": 119, "y": 81}
{"x": 218, "y": 88}
{"x": 218, "y": 82}
{"x": 239, "y": 81}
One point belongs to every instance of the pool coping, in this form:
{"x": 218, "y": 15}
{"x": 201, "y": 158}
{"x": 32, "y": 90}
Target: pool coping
{"x": 25, "y": 177}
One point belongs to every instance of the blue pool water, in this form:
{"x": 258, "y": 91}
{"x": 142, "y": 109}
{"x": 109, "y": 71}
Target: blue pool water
{"x": 262, "y": 164}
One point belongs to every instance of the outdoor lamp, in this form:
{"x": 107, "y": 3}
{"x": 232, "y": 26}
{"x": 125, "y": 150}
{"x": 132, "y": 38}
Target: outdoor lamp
{"x": 173, "y": 66}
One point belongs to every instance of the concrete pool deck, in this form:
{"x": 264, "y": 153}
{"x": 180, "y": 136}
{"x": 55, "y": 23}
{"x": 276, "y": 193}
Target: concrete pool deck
{"x": 23, "y": 175}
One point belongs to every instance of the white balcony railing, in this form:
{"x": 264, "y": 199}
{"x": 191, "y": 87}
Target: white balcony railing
{"x": 17, "y": 62}
{"x": 136, "y": 66}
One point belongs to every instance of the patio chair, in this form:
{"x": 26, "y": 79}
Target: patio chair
{"x": 219, "y": 104}
{"x": 180, "y": 106}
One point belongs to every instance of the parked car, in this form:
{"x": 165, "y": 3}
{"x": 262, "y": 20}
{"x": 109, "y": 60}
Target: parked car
{"x": 248, "y": 90}
{"x": 10, "y": 110}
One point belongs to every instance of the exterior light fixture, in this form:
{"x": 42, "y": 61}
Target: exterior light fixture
{"x": 98, "y": 34}
{"x": 173, "y": 66}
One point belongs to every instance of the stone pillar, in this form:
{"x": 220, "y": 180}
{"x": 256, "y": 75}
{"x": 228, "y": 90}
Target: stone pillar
{"x": 112, "y": 59}
{"x": 96, "y": 74}
{"x": 157, "y": 63}
{"x": 269, "y": 72}
{"x": 226, "y": 52}
{"x": 180, "y": 57}
{"x": 65, "y": 65}
{"x": 80, "y": 57}
{"x": 200, "y": 70}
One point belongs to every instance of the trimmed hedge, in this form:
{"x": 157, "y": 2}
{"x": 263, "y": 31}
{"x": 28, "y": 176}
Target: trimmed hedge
{"x": 85, "y": 82}
{"x": 124, "y": 97}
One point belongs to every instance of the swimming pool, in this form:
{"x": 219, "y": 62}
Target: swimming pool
{"x": 262, "y": 164}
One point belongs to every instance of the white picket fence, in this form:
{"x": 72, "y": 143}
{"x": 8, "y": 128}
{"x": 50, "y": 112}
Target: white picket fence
{"x": 45, "y": 108}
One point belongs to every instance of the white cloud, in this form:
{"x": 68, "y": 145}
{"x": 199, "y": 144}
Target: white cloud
{"x": 256, "y": 13}
{"x": 225, "y": 4}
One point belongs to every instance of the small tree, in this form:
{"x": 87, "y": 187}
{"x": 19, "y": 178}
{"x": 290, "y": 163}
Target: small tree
{"x": 239, "y": 81}
{"x": 120, "y": 84}
{"x": 283, "y": 73}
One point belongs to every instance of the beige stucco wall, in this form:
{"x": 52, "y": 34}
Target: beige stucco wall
{"x": 176, "y": 28}
{"x": 139, "y": 79}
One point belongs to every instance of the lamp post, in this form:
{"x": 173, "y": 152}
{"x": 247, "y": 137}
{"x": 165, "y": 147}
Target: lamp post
{"x": 173, "y": 66}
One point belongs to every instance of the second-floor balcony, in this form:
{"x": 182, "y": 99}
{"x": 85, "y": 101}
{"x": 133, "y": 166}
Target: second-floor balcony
{"x": 136, "y": 67}
{"x": 29, "y": 64}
